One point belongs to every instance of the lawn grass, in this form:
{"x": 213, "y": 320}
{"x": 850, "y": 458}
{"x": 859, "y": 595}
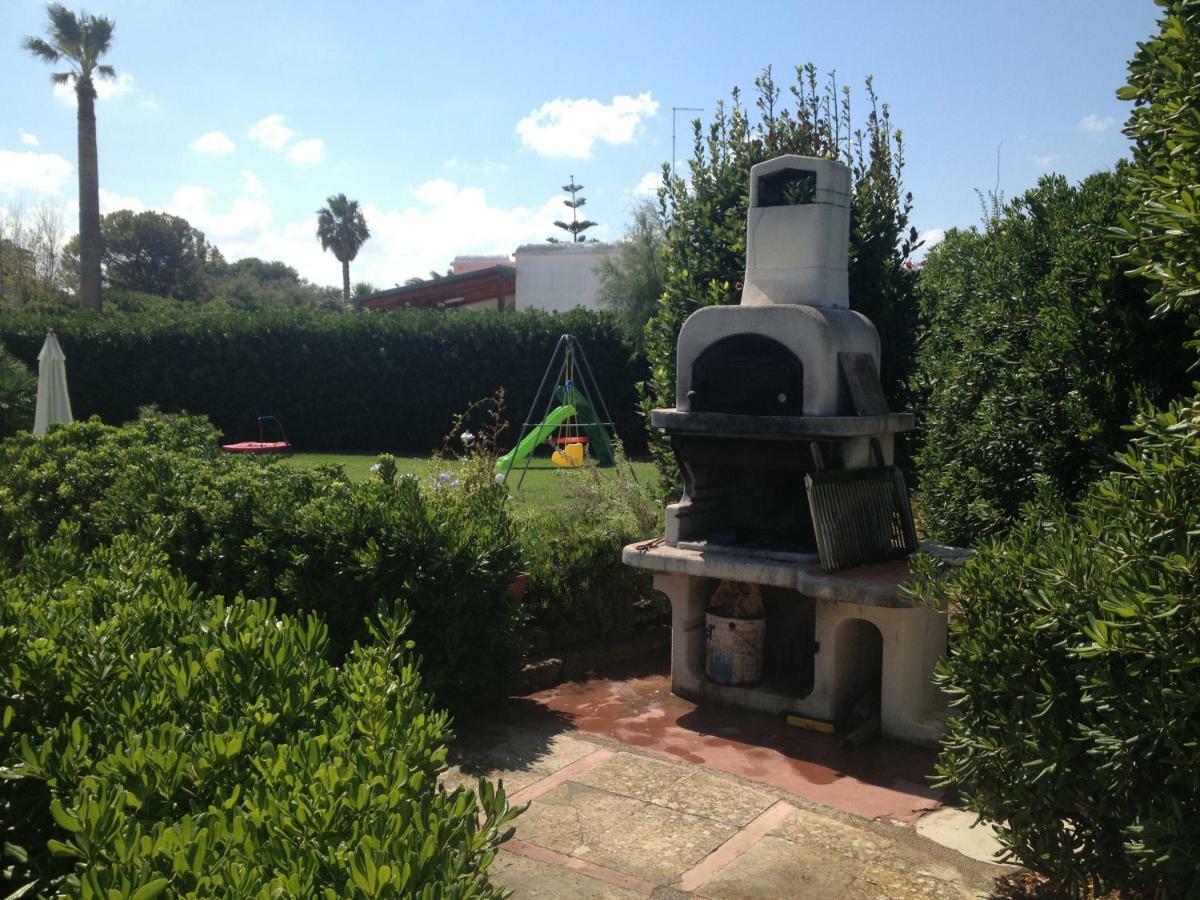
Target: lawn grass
{"x": 543, "y": 485}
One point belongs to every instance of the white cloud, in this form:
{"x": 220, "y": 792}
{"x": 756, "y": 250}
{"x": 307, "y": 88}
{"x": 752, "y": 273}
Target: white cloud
{"x": 271, "y": 132}
{"x": 246, "y": 218}
{"x": 1094, "y": 124}
{"x": 307, "y": 153}
{"x": 29, "y": 140}
{"x": 487, "y": 167}
{"x": 570, "y": 128}
{"x": 214, "y": 143}
{"x": 111, "y": 201}
{"x": 929, "y": 237}
{"x": 445, "y": 219}
{"x": 1043, "y": 161}
{"x": 448, "y": 220}
{"x": 106, "y": 89}
{"x": 253, "y": 186}
{"x": 37, "y": 173}
{"x": 649, "y": 185}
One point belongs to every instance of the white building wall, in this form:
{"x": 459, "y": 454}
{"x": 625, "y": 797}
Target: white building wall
{"x": 559, "y": 277}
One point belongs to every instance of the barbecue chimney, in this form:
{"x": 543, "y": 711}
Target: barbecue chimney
{"x": 785, "y": 442}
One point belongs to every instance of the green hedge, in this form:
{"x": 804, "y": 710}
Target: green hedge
{"x": 1075, "y": 678}
{"x": 1036, "y": 349}
{"x": 389, "y": 381}
{"x": 311, "y": 539}
{"x": 18, "y": 394}
{"x": 156, "y": 741}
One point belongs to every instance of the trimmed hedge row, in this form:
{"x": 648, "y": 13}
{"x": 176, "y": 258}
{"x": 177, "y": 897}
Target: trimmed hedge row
{"x": 18, "y": 393}
{"x": 372, "y": 381}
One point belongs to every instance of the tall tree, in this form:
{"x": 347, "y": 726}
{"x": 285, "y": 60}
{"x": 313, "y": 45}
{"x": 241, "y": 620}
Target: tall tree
{"x": 575, "y": 227}
{"x": 155, "y": 253}
{"x": 632, "y": 283}
{"x": 80, "y": 40}
{"x": 1163, "y": 229}
{"x": 342, "y": 229}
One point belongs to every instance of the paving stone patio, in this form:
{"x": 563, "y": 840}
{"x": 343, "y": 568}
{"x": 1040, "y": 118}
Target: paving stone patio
{"x": 609, "y": 818}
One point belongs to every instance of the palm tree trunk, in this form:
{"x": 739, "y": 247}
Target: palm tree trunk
{"x": 89, "y": 198}
{"x": 346, "y": 281}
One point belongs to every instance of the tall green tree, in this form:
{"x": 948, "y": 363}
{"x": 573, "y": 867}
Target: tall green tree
{"x": 1164, "y": 227}
{"x": 632, "y": 283}
{"x": 155, "y": 253}
{"x": 576, "y": 227}
{"x": 79, "y": 41}
{"x": 342, "y": 229}
{"x": 1036, "y": 351}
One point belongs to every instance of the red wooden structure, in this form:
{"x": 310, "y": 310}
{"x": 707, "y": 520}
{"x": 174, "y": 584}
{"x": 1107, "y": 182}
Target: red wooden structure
{"x": 495, "y": 284}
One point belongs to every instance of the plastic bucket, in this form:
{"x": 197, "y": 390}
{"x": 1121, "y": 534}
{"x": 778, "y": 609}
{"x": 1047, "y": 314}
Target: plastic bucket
{"x": 733, "y": 652}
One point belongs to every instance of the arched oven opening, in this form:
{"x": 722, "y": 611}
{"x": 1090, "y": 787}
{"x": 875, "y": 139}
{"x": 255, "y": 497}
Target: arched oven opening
{"x": 748, "y": 374}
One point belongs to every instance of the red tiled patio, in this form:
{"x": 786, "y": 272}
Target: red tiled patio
{"x": 635, "y": 792}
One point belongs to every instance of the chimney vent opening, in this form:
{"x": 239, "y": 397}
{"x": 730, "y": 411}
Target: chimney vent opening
{"x": 790, "y": 187}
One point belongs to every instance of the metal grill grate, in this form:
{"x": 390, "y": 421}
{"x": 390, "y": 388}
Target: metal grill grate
{"x": 860, "y": 516}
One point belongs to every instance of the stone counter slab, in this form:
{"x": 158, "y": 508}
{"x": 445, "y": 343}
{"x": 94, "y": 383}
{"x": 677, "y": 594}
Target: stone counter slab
{"x": 878, "y": 584}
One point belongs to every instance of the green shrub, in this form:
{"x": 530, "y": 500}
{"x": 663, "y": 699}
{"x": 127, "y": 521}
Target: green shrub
{"x": 311, "y": 539}
{"x": 388, "y": 381}
{"x": 1164, "y": 224}
{"x": 155, "y": 740}
{"x": 18, "y": 395}
{"x": 1074, "y": 675}
{"x": 577, "y": 581}
{"x": 1035, "y": 351}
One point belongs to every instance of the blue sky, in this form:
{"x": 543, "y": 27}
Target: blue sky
{"x": 456, "y": 124}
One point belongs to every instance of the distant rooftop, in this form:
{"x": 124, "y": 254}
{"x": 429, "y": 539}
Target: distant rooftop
{"x": 566, "y": 247}
{"x": 496, "y": 284}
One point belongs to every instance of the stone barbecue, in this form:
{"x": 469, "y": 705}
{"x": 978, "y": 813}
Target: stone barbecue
{"x": 776, "y": 398}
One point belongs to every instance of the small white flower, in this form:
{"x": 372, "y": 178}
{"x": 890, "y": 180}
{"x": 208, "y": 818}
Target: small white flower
{"x": 467, "y": 438}
{"x": 500, "y": 479}
{"x": 375, "y": 468}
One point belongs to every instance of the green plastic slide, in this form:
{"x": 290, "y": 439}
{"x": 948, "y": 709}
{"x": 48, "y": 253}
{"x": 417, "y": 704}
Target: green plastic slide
{"x": 601, "y": 446}
{"x": 531, "y": 441}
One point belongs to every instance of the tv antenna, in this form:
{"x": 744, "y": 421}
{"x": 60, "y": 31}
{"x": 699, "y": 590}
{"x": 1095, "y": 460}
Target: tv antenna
{"x": 675, "y": 109}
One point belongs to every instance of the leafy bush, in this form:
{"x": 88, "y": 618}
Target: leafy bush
{"x": 1075, "y": 678}
{"x": 1164, "y": 225}
{"x": 312, "y": 539}
{"x": 18, "y": 395}
{"x": 577, "y": 581}
{"x": 373, "y": 381}
{"x": 1035, "y": 350}
{"x": 157, "y": 740}
{"x": 705, "y": 215}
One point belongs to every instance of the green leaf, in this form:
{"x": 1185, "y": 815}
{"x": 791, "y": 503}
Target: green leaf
{"x": 65, "y": 820}
{"x": 150, "y": 889}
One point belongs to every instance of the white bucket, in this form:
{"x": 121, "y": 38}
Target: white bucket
{"x": 733, "y": 653}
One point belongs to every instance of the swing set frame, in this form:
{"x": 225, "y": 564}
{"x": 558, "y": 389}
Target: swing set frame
{"x": 574, "y": 372}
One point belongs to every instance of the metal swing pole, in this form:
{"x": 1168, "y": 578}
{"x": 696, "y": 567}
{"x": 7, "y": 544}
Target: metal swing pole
{"x": 587, "y": 367}
{"x": 545, "y": 375}
{"x": 549, "y": 398}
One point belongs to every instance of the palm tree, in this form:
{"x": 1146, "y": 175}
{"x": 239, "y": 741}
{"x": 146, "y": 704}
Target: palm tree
{"x": 80, "y": 41}
{"x": 342, "y": 229}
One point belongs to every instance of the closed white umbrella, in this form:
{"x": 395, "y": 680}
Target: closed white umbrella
{"x": 53, "y": 402}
